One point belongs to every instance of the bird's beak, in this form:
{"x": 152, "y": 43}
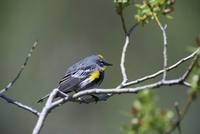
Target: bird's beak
{"x": 106, "y": 63}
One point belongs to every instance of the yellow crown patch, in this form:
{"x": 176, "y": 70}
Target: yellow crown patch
{"x": 100, "y": 56}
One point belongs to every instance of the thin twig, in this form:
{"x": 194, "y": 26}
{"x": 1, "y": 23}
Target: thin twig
{"x": 176, "y": 105}
{"x": 20, "y": 105}
{"x": 161, "y": 71}
{"x": 188, "y": 71}
{"x": 186, "y": 84}
{"x": 164, "y": 51}
{"x": 187, "y": 105}
{"x": 182, "y": 114}
{"x": 10, "y": 84}
{"x": 122, "y": 64}
{"x": 132, "y": 28}
{"x": 163, "y": 29}
{"x": 123, "y": 55}
{"x": 164, "y": 41}
{"x": 123, "y": 22}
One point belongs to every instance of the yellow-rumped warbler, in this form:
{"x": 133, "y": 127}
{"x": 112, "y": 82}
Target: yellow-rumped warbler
{"x": 86, "y": 74}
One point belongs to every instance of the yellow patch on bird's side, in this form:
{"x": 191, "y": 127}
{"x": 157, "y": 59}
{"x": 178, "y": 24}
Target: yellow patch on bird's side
{"x": 94, "y": 75}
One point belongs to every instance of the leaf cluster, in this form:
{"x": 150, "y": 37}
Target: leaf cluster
{"x": 147, "y": 117}
{"x": 148, "y": 9}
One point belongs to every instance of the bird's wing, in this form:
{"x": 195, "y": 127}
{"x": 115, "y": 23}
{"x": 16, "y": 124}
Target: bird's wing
{"x": 73, "y": 78}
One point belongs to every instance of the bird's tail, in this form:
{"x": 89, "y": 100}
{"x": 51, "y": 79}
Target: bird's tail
{"x": 43, "y": 98}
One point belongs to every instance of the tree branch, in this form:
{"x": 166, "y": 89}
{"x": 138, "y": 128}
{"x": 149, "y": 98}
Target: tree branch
{"x": 123, "y": 56}
{"x": 192, "y": 55}
{"x": 120, "y": 90}
{"x": 122, "y": 66}
{"x": 123, "y": 21}
{"x": 46, "y": 109}
{"x": 10, "y": 84}
{"x": 20, "y": 105}
{"x": 51, "y": 105}
{"x": 163, "y": 29}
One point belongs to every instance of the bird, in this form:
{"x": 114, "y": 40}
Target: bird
{"x": 87, "y": 73}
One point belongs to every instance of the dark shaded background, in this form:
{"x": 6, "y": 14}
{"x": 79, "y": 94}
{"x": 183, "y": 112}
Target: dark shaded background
{"x": 68, "y": 30}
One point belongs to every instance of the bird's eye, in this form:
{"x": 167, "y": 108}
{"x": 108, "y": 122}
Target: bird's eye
{"x": 101, "y": 62}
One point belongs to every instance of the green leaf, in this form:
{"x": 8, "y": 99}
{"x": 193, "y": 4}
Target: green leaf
{"x": 169, "y": 17}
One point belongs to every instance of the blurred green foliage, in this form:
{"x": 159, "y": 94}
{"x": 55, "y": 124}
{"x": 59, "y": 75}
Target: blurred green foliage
{"x": 148, "y": 118}
{"x": 195, "y": 78}
{"x": 148, "y": 9}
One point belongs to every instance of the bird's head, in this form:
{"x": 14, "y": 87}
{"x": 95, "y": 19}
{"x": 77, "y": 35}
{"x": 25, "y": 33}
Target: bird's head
{"x": 100, "y": 61}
